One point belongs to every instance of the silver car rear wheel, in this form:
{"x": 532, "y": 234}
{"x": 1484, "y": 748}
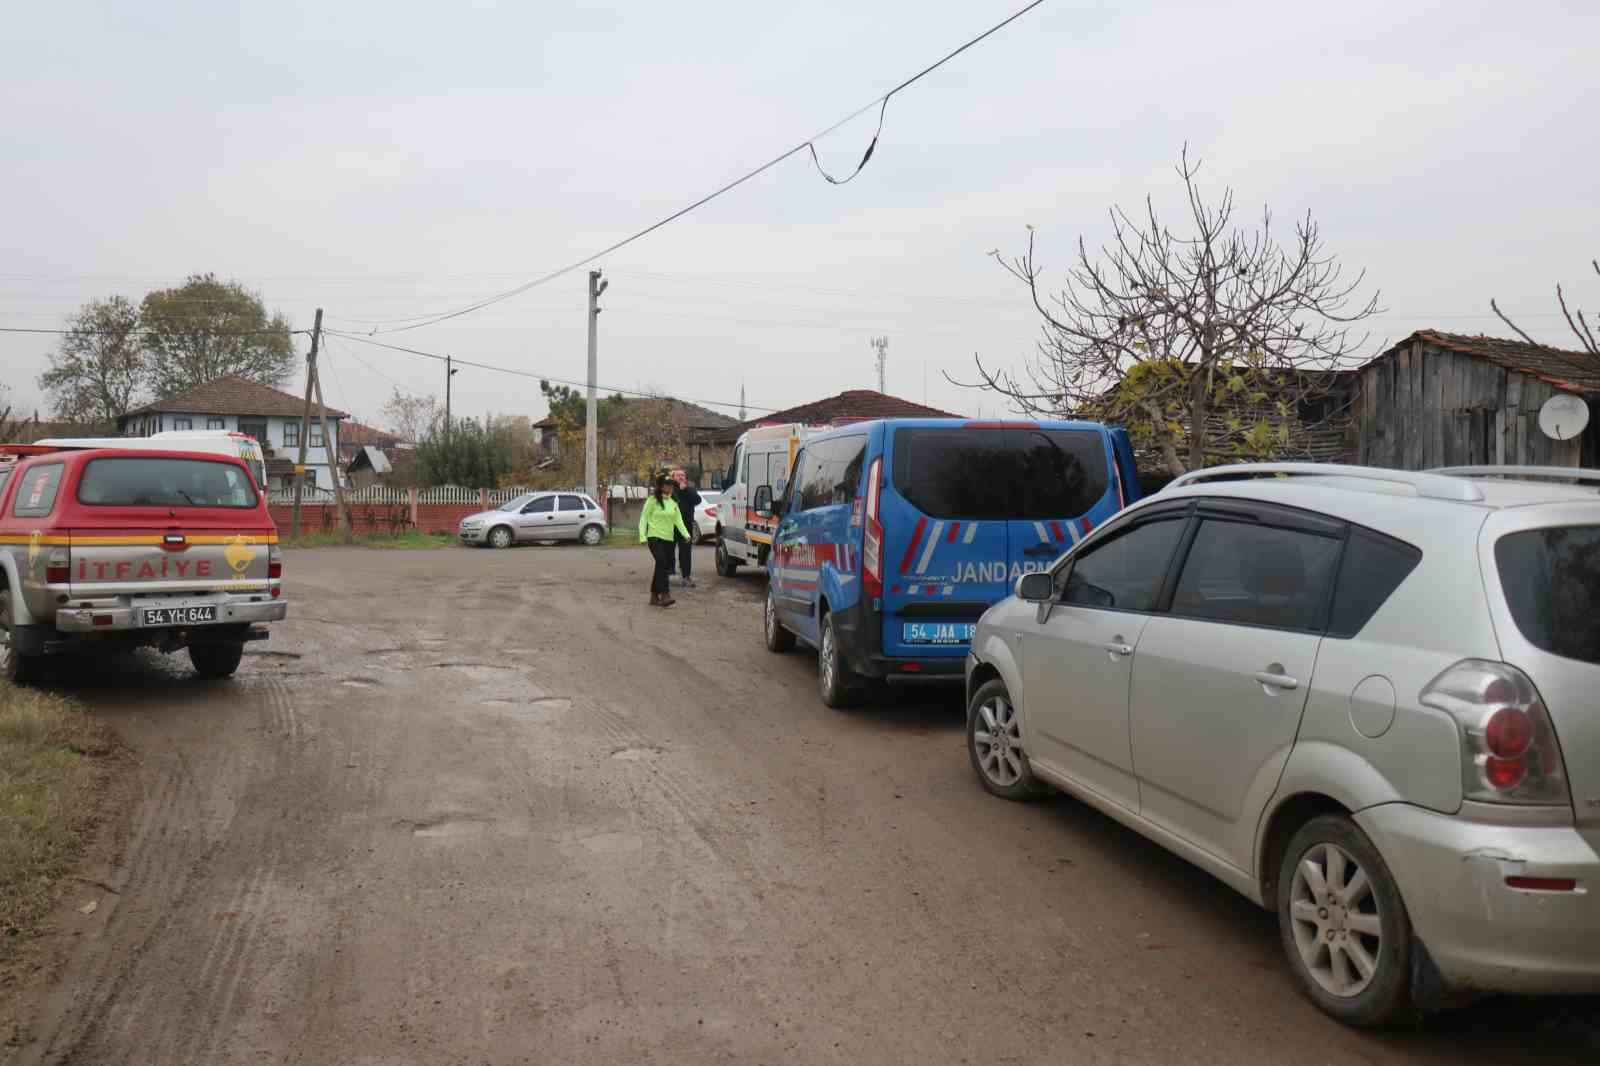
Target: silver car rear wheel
{"x": 1343, "y": 924}
{"x": 591, "y": 535}
{"x": 1337, "y": 923}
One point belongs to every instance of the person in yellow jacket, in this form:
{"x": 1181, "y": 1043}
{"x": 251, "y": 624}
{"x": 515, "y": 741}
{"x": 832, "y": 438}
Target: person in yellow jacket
{"x": 660, "y": 523}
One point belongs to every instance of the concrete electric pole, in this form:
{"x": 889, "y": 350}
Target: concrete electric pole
{"x": 330, "y": 443}
{"x": 882, "y": 346}
{"x": 591, "y": 429}
{"x": 449, "y": 372}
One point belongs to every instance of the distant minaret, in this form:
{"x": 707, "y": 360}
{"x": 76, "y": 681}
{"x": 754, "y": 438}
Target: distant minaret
{"x": 742, "y": 416}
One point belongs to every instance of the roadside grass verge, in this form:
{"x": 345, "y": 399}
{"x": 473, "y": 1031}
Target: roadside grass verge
{"x": 411, "y": 540}
{"x": 54, "y": 758}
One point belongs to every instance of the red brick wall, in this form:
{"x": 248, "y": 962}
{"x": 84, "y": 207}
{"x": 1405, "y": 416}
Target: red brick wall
{"x": 373, "y": 518}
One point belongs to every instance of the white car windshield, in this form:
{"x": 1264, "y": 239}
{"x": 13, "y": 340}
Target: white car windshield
{"x": 518, "y": 503}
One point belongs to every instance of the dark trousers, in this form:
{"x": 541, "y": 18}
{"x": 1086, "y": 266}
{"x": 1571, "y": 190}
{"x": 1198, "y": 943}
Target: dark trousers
{"x": 661, "y": 550}
{"x": 685, "y": 556}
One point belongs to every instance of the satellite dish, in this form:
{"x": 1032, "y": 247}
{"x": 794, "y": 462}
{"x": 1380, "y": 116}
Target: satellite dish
{"x": 1563, "y": 416}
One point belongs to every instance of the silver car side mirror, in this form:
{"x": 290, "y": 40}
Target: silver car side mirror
{"x": 1039, "y": 588}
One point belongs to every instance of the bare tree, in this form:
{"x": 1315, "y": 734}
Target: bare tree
{"x": 412, "y": 417}
{"x": 101, "y": 367}
{"x": 1575, "y": 321}
{"x": 9, "y": 427}
{"x": 1204, "y": 345}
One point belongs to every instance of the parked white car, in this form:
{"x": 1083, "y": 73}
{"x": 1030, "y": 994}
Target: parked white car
{"x": 536, "y": 516}
{"x": 705, "y": 516}
{"x": 1363, "y": 698}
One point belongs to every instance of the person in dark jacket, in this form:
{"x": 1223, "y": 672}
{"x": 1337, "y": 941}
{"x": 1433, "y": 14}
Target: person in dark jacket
{"x": 688, "y": 502}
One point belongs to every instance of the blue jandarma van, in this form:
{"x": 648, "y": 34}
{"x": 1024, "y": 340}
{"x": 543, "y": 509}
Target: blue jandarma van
{"x": 895, "y": 535}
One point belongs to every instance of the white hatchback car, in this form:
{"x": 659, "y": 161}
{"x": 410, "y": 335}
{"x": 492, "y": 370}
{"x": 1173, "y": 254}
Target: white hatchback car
{"x": 1363, "y": 698}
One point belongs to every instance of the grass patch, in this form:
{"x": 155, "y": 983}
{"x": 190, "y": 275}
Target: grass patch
{"x": 52, "y": 763}
{"x": 412, "y": 540}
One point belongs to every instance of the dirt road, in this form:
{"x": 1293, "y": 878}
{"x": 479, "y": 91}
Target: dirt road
{"x": 486, "y": 807}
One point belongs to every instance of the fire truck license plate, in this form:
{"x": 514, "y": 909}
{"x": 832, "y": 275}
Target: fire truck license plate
{"x": 179, "y": 616}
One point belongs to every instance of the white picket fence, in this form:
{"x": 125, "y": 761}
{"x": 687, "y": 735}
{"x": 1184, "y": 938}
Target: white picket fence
{"x": 383, "y": 495}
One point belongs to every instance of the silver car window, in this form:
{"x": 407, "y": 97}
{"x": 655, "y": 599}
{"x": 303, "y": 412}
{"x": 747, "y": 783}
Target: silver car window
{"x": 517, "y": 503}
{"x": 1126, "y": 572}
{"x": 1257, "y": 575}
{"x": 1551, "y": 579}
{"x": 540, "y": 505}
{"x": 572, "y": 503}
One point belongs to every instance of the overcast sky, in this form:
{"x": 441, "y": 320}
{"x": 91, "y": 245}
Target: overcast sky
{"x": 383, "y": 160}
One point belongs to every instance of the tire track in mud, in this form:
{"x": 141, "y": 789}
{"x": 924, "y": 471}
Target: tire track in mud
{"x": 143, "y": 1002}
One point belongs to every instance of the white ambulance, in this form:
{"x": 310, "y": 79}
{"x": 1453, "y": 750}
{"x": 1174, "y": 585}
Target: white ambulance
{"x": 745, "y": 522}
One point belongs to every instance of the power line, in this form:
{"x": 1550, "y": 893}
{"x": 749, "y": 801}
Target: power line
{"x": 880, "y": 102}
{"x": 146, "y": 332}
{"x": 352, "y": 353}
{"x": 534, "y": 375}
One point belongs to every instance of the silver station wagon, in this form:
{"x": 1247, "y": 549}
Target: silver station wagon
{"x": 1367, "y": 699}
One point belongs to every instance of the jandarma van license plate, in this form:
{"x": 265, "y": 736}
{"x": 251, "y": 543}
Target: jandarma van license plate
{"x": 937, "y": 632}
{"x": 179, "y": 616}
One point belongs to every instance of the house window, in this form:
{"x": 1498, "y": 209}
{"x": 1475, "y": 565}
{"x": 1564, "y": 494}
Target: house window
{"x": 291, "y": 434}
{"x": 214, "y": 423}
{"x": 316, "y": 435}
{"x": 182, "y": 423}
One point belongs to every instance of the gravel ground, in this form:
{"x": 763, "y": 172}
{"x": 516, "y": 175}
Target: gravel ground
{"x": 472, "y": 807}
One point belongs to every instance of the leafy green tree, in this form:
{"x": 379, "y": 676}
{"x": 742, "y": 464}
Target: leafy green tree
{"x": 101, "y": 367}
{"x": 208, "y": 328}
{"x": 461, "y": 454}
{"x": 569, "y": 407}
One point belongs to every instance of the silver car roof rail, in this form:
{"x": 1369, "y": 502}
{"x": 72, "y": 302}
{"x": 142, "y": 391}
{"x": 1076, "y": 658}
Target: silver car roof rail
{"x": 1548, "y": 473}
{"x": 1434, "y": 485}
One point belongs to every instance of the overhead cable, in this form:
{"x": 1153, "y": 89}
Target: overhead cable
{"x": 456, "y": 360}
{"x": 880, "y": 102}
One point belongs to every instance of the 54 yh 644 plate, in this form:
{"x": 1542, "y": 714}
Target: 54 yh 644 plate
{"x": 179, "y": 616}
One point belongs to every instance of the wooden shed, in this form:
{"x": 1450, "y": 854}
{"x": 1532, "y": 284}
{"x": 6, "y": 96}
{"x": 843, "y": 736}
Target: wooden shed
{"x": 1443, "y": 399}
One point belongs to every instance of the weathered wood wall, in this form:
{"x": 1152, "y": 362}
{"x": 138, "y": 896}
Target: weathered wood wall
{"x": 1425, "y": 407}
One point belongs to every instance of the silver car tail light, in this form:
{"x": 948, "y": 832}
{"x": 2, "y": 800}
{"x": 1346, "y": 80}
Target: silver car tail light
{"x": 1509, "y": 752}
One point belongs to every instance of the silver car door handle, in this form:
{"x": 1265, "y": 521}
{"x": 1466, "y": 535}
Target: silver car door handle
{"x": 1118, "y": 648}
{"x": 1266, "y": 677}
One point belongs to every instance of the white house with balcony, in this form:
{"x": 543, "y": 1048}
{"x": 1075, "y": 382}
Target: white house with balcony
{"x": 269, "y": 415}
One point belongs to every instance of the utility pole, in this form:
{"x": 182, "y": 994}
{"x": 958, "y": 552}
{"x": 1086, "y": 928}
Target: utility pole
{"x": 330, "y": 451}
{"x": 305, "y": 423}
{"x": 882, "y": 346}
{"x": 591, "y": 416}
{"x": 449, "y": 373}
